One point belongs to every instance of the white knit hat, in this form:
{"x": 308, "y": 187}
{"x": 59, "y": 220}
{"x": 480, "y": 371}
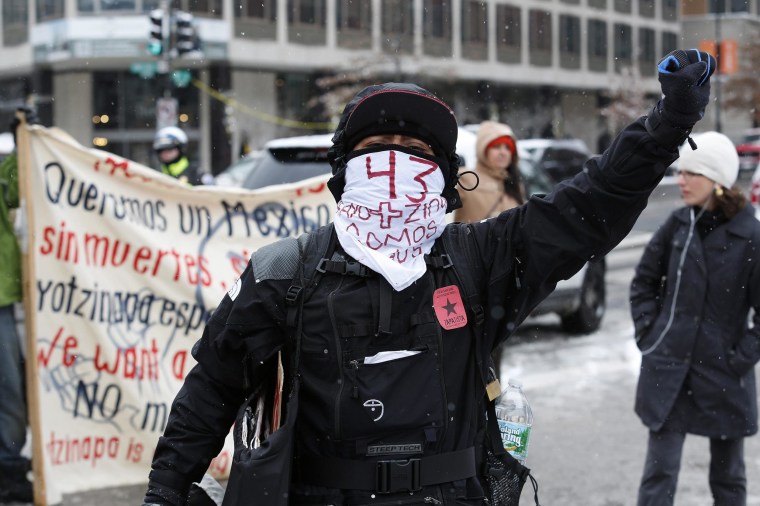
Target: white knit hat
{"x": 715, "y": 158}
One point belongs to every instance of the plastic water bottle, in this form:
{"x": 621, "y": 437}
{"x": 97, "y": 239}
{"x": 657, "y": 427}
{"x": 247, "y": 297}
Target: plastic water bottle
{"x": 515, "y": 420}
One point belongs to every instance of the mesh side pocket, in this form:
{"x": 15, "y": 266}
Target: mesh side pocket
{"x": 505, "y": 479}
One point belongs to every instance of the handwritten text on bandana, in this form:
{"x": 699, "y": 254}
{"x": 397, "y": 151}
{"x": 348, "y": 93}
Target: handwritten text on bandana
{"x": 391, "y": 213}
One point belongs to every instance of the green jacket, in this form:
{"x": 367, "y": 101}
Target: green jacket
{"x": 10, "y": 255}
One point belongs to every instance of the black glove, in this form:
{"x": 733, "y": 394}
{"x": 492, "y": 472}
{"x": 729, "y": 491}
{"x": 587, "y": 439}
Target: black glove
{"x": 685, "y": 80}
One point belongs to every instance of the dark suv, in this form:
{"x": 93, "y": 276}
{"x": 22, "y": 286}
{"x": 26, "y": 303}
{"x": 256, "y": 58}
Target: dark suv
{"x": 558, "y": 158}
{"x": 579, "y": 301}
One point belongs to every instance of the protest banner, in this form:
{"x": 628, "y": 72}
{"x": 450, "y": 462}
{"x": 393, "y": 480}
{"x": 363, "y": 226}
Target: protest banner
{"x": 123, "y": 266}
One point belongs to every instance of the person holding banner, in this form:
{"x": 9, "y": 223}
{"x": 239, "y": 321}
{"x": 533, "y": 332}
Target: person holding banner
{"x": 14, "y": 484}
{"x": 396, "y": 312}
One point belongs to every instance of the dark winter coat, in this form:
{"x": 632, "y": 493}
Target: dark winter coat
{"x": 436, "y": 397}
{"x": 707, "y": 345}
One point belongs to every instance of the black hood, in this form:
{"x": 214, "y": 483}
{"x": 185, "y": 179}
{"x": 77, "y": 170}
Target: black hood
{"x": 397, "y": 108}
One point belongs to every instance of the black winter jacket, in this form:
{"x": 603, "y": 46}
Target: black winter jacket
{"x": 437, "y": 399}
{"x": 704, "y": 338}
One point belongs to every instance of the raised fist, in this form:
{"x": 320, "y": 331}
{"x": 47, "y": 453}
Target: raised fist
{"x": 685, "y": 79}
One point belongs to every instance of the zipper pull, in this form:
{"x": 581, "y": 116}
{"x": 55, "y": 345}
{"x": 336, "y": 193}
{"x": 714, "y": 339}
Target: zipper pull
{"x": 355, "y": 390}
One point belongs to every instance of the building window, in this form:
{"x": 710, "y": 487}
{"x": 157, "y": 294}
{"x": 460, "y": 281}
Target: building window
{"x": 647, "y": 52}
{"x": 623, "y": 46}
{"x": 124, "y": 113}
{"x": 118, "y": 5}
{"x": 598, "y": 4}
{"x": 623, "y": 6}
{"x": 716, "y": 6}
{"x": 540, "y": 37}
{"x": 569, "y": 42}
{"x": 474, "y": 30}
{"x": 49, "y": 9}
{"x": 354, "y": 23}
{"x": 15, "y": 22}
{"x": 256, "y": 19}
{"x": 646, "y": 8}
{"x": 206, "y": 8}
{"x": 306, "y": 22}
{"x": 575, "y": 2}
{"x": 670, "y": 10}
{"x": 508, "y": 33}
{"x": 436, "y": 22}
{"x": 669, "y": 42}
{"x": 740, "y": 6}
{"x": 398, "y": 26}
{"x": 597, "y": 45}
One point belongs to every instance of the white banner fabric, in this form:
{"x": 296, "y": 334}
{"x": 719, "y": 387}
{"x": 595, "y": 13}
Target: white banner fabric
{"x": 128, "y": 265}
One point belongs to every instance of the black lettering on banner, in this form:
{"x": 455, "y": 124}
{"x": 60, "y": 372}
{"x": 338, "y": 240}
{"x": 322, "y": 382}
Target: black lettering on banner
{"x": 160, "y": 411}
{"x": 116, "y": 306}
{"x": 274, "y": 219}
{"x": 107, "y": 404}
{"x": 61, "y": 189}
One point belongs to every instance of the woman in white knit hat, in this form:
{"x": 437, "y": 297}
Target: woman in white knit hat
{"x": 691, "y": 296}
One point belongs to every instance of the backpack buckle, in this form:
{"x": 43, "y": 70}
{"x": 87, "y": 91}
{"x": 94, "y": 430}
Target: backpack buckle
{"x": 354, "y": 268}
{"x": 292, "y": 295}
{"x": 398, "y": 476}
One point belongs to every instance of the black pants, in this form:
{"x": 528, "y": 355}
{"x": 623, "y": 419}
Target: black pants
{"x": 728, "y": 481}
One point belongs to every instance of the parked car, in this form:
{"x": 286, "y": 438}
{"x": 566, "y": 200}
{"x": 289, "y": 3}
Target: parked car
{"x": 558, "y": 158}
{"x": 579, "y": 301}
{"x": 749, "y": 150}
{"x": 235, "y": 174}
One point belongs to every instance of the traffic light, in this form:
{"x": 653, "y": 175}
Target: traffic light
{"x": 156, "y": 40}
{"x": 186, "y": 40}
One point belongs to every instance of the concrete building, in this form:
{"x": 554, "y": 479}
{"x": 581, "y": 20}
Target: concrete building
{"x": 544, "y": 66}
{"x": 735, "y": 24}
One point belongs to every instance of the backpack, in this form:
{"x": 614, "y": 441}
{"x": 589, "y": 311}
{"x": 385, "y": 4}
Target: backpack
{"x": 502, "y": 475}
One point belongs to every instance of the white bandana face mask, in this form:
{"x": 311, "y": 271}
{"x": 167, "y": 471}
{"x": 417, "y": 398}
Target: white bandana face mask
{"x": 391, "y": 213}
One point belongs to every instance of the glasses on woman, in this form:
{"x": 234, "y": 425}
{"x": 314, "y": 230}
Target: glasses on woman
{"x": 687, "y": 175}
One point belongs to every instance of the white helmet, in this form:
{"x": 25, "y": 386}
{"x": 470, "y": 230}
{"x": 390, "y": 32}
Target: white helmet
{"x": 170, "y": 137}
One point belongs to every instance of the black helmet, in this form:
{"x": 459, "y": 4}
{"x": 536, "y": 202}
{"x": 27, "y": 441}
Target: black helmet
{"x": 397, "y": 108}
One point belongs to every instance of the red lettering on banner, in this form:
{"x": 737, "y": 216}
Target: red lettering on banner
{"x": 66, "y": 450}
{"x": 220, "y": 464}
{"x": 138, "y": 363}
{"x": 390, "y": 173}
{"x": 100, "y": 250}
{"x": 68, "y": 359}
{"x": 313, "y": 189}
{"x": 178, "y": 364}
{"x": 121, "y": 166}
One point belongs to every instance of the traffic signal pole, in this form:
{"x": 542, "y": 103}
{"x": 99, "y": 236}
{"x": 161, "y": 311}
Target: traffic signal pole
{"x": 166, "y": 60}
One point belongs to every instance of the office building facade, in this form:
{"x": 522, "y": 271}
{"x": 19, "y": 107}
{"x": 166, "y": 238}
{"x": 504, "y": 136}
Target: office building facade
{"x": 544, "y": 66}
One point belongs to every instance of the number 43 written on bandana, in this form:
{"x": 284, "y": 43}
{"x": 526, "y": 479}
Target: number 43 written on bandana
{"x": 449, "y": 308}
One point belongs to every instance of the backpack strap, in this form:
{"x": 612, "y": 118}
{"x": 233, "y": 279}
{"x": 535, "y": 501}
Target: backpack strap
{"x": 313, "y": 249}
{"x": 456, "y": 251}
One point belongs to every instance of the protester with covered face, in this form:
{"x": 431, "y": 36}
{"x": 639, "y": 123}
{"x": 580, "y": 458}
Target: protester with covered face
{"x": 693, "y": 290}
{"x": 395, "y": 312}
{"x": 496, "y": 182}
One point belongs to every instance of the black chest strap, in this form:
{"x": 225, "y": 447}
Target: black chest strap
{"x": 389, "y": 476}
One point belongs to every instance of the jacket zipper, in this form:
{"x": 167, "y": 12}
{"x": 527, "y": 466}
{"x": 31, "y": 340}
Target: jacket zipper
{"x": 339, "y": 357}
{"x": 439, "y": 335}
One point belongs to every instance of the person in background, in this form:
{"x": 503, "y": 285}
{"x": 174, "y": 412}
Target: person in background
{"x": 690, "y": 299}
{"x": 14, "y": 484}
{"x": 496, "y": 182}
{"x": 170, "y": 145}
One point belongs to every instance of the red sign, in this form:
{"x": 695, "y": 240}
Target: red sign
{"x": 449, "y": 308}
